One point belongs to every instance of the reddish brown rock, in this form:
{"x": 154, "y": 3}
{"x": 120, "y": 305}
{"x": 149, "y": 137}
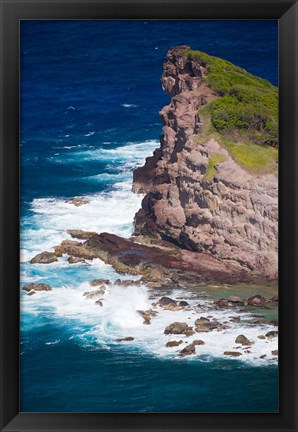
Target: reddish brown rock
{"x": 256, "y": 300}
{"x": 44, "y": 258}
{"x": 232, "y": 216}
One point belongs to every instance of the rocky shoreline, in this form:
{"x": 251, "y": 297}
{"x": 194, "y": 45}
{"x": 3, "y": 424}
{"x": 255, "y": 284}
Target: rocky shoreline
{"x": 195, "y": 320}
{"x": 204, "y": 220}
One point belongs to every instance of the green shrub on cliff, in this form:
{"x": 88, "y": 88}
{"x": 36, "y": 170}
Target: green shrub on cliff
{"x": 248, "y": 105}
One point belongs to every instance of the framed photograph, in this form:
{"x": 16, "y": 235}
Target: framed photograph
{"x": 148, "y": 216}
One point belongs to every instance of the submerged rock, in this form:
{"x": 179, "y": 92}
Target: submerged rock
{"x": 44, "y": 258}
{"x": 274, "y": 353}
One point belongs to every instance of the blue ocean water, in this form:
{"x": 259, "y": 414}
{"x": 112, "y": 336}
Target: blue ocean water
{"x": 90, "y": 97}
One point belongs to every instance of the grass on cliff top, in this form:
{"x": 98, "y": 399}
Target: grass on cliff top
{"x": 245, "y": 115}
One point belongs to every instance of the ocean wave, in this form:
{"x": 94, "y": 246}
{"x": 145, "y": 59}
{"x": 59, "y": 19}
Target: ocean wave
{"x": 133, "y": 153}
{"x": 119, "y": 318}
{"x": 126, "y": 105}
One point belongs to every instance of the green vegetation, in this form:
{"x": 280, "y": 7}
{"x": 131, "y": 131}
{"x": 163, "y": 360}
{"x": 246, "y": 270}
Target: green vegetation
{"x": 213, "y": 160}
{"x": 255, "y": 157}
{"x": 245, "y": 115}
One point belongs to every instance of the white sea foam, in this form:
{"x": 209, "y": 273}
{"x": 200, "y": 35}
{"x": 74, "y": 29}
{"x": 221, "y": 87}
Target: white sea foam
{"x": 119, "y": 318}
{"x": 132, "y": 155}
{"x": 126, "y": 105}
{"x": 113, "y": 212}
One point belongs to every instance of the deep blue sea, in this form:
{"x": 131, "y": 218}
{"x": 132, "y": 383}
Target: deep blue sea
{"x": 90, "y": 97}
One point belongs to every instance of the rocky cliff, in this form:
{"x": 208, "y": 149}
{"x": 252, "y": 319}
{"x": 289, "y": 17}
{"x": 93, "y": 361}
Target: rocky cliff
{"x": 212, "y": 185}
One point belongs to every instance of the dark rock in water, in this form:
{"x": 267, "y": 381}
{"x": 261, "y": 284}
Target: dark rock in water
{"x": 165, "y": 301}
{"x": 221, "y": 303}
{"x": 30, "y": 293}
{"x": 99, "y": 302}
{"x": 263, "y": 356}
{"x": 173, "y": 343}
{"x": 232, "y": 353}
{"x": 75, "y": 260}
{"x": 37, "y": 287}
{"x": 204, "y": 325}
{"x": 261, "y": 337}
{"x": 126, "y": 339}
{"x": 183, "y": 303}
{"x": 188, "y": 350}
{"x": 256, "y": 300}
{"x": 44, "y": 258}
{"x": 271, "y": 334}
{"x": 274, "y": 353}
{"x": 241, "y": 339}
{"x": 236, "y": 300}
{"x": 274, "y": 298}
{"x": 198, "y": 342}
{"x": 80, "y": 234}
{"x": 98, "y": 282}
{"x": 176, "y": 328}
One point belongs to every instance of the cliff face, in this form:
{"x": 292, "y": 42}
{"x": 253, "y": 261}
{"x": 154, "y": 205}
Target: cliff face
{"x": 197, "y": 194}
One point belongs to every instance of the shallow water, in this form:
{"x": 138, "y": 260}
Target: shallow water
{"x": 89, "y": 109}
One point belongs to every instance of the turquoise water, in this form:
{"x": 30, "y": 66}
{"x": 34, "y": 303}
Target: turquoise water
{"x": 90, "y": 98}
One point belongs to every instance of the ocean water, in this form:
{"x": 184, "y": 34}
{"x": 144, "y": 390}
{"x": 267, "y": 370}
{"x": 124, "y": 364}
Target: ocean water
{"x": 90, "y": 97}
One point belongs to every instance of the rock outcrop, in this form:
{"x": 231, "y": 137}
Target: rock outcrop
{"x": 197, "y": 196}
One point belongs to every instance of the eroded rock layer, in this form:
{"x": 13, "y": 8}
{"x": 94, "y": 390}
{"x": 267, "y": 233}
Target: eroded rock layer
{"x": 196, "y": 195}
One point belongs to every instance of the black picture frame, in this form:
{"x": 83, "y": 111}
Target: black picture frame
{"x": 11, "y": 13}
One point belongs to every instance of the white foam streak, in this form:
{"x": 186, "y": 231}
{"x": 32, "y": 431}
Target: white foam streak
{"x": 119, "y": 318}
